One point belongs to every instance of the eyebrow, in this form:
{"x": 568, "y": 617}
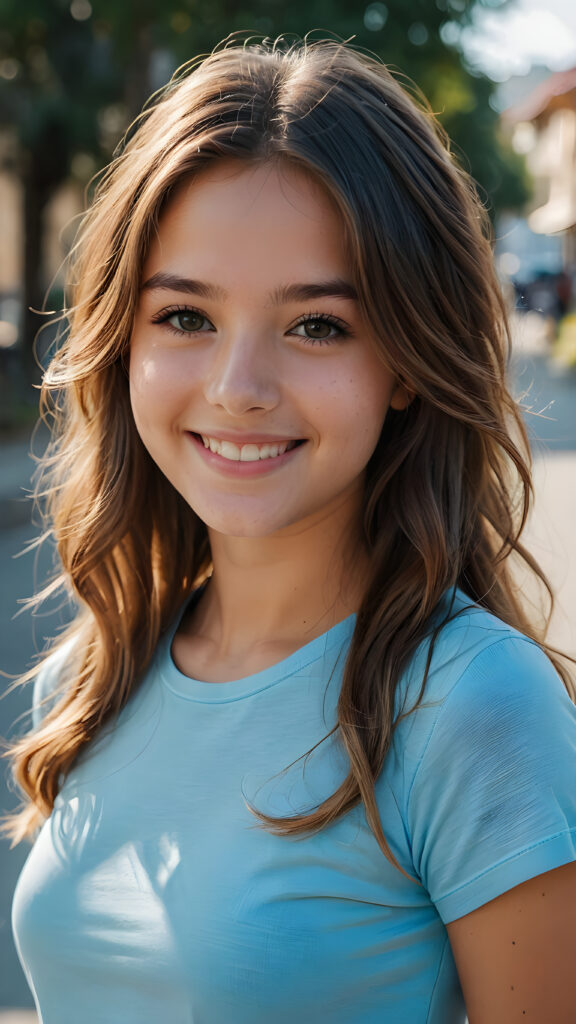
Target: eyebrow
{"x": 337, "y": 288}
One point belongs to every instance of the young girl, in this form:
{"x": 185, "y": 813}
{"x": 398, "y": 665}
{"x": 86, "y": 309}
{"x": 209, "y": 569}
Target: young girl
{"x": 301, "y": 755}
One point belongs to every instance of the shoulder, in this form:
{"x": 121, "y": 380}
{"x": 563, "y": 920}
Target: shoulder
{"x": 488, "y": 765}
{"x": 496, "y": 702}
{"x": 475, "y": 657}
{"x": 47, "y": 683}
{"x": 487, "y": 687}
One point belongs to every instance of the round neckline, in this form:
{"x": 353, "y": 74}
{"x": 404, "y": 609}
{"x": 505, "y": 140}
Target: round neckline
{"x": 220, "y": 693}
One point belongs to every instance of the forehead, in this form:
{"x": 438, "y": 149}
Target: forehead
{"x": 235, "y": 218}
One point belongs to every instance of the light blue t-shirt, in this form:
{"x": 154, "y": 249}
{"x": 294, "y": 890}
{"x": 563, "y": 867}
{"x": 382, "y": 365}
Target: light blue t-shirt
{"x": 152, "y": 895}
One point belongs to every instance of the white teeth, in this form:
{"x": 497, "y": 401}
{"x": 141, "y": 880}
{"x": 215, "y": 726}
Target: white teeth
{"x": 228, "y": 450}
{"x": 249, "y": 453}
{"x": 245, "y": 452}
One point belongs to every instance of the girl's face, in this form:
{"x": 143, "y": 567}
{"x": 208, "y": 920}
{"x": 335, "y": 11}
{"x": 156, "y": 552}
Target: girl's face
{"x": 255, "y": 383}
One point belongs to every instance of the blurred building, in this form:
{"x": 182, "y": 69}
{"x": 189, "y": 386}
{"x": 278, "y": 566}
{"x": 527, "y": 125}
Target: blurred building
{"x": 543, "y": 127}
{"x": 537, "y": 253}
{"x": 59, "y": 222}
{"x": 10, "y": 246}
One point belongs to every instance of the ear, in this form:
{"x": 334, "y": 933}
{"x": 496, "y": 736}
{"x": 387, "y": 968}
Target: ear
{"x": 401, "y": 397}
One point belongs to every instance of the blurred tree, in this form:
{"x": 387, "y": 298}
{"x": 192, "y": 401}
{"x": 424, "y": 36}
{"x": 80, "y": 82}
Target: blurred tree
{"x": 73, "y": 73}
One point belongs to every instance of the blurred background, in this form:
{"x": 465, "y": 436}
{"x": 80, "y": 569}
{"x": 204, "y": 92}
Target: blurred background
{"x": 500, "y": 74}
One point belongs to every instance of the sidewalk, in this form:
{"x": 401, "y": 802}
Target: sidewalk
{"x": 18, "y": 1017}
{"x": 550, "y": 536}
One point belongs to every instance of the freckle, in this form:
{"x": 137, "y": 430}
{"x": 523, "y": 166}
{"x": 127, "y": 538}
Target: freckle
{"x": 511, "y": 988}
{"x": 513, "y": 943}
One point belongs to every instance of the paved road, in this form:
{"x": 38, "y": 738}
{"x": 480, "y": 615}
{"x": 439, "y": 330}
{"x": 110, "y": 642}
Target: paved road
{"x": 21, "y": 637}
{"x": 549, "y": 396}
{"x": 551, "y": 535}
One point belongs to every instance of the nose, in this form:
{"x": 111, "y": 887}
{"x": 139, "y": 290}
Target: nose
{"x": 242, "y": 377}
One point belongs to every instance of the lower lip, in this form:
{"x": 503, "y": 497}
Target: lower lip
{"x": 230, "y": 467}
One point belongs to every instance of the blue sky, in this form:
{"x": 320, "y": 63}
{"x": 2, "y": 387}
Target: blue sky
{"x": 509, "y": 42}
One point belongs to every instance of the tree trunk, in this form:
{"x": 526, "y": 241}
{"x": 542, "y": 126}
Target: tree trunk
{"x": 35, "y": 197}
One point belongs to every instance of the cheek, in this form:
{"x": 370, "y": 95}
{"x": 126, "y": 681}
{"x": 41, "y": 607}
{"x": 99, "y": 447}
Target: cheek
{"x": 358, "y": 408}
{"x": 155, "y": 387}
{"x": 376, "y": 392}
{"x": 142, "y": 391}
{"x": 365, "y": 421}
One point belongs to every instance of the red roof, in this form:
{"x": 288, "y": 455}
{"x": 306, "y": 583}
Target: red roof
{"x": 559, "y": 84}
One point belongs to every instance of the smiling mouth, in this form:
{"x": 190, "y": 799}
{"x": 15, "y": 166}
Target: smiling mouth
{"x": 247, "y": 452}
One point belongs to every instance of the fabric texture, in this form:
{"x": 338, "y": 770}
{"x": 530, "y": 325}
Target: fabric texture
{"x": 152, "y": 893}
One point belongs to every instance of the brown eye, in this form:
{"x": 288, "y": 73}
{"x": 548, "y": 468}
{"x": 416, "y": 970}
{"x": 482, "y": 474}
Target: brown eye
{"x": 188, "y": 320}
{"x": 321, "y": 329}
{"x": 318, "y": 329}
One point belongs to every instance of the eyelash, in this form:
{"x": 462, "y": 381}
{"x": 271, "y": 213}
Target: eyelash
{"x": 324, "y": 318}
{"x": 164, "y": 316}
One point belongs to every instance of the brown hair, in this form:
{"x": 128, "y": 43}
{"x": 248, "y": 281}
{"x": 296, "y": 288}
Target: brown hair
{"x": 448, "y": 487}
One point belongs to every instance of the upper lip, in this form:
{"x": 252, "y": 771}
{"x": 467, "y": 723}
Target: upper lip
{"x": 241, "y": 439}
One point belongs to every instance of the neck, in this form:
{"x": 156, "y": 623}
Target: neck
{"x": 284, "y": 589}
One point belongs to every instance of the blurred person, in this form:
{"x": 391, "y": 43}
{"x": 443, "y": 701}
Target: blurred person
{"x": 302, "y": 754}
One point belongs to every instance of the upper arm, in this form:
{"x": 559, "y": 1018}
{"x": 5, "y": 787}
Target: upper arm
{"x": 516, "y": 955}
{"x": 493, "y": 802}
{"x": 492, "y": 817}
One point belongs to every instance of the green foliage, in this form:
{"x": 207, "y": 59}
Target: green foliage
{"x": 73, "y": 73}
{"x": 565, "y": 345}
{"x": 474, "y": 126}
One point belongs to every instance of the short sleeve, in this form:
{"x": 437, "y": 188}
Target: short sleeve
{"x": 493, "y": 801}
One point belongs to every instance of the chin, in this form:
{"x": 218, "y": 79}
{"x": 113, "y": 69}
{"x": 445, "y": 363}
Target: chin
{"x": 235, "y": 525}
{"x": 243, "y": 525}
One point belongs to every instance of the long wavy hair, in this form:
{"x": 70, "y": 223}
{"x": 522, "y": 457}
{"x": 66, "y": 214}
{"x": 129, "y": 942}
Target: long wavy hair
{"x": 448, "y": 487}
